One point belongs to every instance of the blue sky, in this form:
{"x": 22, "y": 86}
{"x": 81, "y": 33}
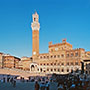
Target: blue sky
{"x": 58, "y": 19}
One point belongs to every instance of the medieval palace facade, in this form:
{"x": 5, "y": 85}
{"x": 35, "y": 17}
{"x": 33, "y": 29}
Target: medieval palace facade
{"x": 60, "y": 59}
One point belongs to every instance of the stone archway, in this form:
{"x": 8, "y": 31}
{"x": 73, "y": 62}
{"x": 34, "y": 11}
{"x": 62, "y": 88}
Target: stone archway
{"x": 34, "y": 67}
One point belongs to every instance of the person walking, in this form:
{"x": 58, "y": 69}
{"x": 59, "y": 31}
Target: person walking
{"x": 36, "y": 86}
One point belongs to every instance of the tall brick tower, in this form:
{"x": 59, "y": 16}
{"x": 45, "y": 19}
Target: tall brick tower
{"x": 35, "y": 25}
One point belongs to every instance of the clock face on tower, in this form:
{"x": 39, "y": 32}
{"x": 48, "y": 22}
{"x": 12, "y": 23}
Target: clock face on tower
{"x": 34, "y": 53}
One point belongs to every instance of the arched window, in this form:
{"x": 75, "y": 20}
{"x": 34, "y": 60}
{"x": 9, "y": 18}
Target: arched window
{"x": 40, "y": 63}
{"x": 67, "y": 70}
{"x": 62, "y": 64}
{"x": 67, "y": 63}
{"x": 72, "y": 63}
{"x": 58, "y": 56}
{"x": 62, "y": 55}
{"x": 51, "y": 70}
{"x": 76, "y": 54}
{"x": 51, "y": 56}
{"x": 62, "y": 70}
{"x": 47, "y": 56}
{"x": 51, "y": 63}
{"x": 54, "y": 56}
{"x": 72, "y": 54}
{"x": 67, "y": 55}
{"x": 54, "y": 69}
{"x": 58, "y": 70}
{"x": 47, "y": 63}
{"x": 41, "y": 57}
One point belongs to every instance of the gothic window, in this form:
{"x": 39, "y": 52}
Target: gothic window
{"x": 51, "y": 50}
{"x": 41, "y": 57}
{"x": 47, "y": 63}
{"x": 41, "y": 69}
{"x": 67, "y": 63}
{"x": 47, "y": 56}
{"x": 76, "y": 63}
{"x": 67, "y": 55}
{"x": 51, "y": 64}
{"x": 54, "y": 69}
{"x": 62, "y": 64}
{"x": 58, "y": 70}
{"x": 72, "y": 54}
{"x": 67, "y": 70}
{"x": 51, "y": 69}
{"x": 58, "y": 56}
{"x": 76, "y": 54}
{"x": 54, "y": 56}
{"x": 72, "y": 63}
{"x": 44, "y": 57}
{"x": 51, "y": 56}
{"x": 62, "y": 70}
{"x": 62, "y": 55}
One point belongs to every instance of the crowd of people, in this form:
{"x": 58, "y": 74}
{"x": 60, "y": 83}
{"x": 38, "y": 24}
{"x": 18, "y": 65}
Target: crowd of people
{"x": 64, "y": 82}
{"x": 72, "y": 82}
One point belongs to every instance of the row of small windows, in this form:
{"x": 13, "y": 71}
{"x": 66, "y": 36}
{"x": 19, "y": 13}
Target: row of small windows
{"x": 52, "y": 56}
{"x": 72, "y": 54}
{"x": 58, "y": 70}
{"x": 56, "y": 49}
{"x": 68, "y": 63}
{"x": 58, "y": 56}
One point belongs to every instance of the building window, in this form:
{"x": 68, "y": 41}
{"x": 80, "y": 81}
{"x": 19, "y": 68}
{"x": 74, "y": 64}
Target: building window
{"x": 71, "y": 70}
{"x": 58, "y": 63}
{"x": 67, "y": 63}
{"x": 62, "y": 63}
{"x": 41, "y": 64}
{"x": 62, "y": 70}
{"x": 47, "y": 56}
{"x": 72, "y": 54}
{"x": 51, "y": 56}
{"x": 44, "y": 57}
{"x": 67, "y": 70}
{"x": 67, "y": 55}
{"x": 54, "y": 56}
{"x": 71, "y": 63}
{"x": 76, "y": 63}
{"x": 51, "y": 64}
{"x": 47, "y": 63}
{"x": 44, "y": 63}
{"x": 58, "y": 56}
{"x": 58, "y": 70}
{"x": 54, "y": 69}
{"x": 76, "y": 54}
{"x": 51, "y": 50}
{"x": 54, "y": 63}
{"x": 51, "y": 70}
{"x": 41, "y": 57}
{"x": 62, "y": 55}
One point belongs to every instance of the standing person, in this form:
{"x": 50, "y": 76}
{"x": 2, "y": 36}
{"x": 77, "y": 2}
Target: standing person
{"x": 14, "y": 83}
{"x": 36, "y": 86}
{"x": 47, "y": 85}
